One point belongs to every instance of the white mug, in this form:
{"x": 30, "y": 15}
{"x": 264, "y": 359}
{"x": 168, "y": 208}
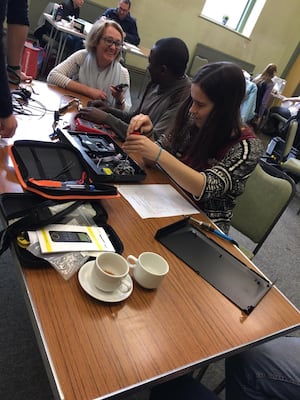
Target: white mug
{"x": 149, "y": 269}
{"x": 108, "y": 272}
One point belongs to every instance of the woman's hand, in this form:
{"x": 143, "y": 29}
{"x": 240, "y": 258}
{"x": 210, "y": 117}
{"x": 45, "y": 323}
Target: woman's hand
{"x": 92, "y": 114}
{"x": 142, "y": 145}
{"x": 141, "y": 123}
{"x": 118, "y": 94}
{"x": 96, "y": 94}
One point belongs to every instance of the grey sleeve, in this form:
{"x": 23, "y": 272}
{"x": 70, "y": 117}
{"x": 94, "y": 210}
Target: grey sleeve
{"x": 117, "y": 125}
{"x": 162, "y": 125}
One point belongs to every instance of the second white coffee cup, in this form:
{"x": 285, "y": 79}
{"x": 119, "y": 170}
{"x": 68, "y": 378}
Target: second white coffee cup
{"x": 149, "y": 269}
{"x": 108, "y": 271}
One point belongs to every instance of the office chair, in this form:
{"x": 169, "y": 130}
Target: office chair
{"x": 267, "y": 194}
{"x": 281, "y": 153}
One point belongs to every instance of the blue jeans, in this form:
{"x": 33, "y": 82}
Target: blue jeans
{"x": 268, "y": 371}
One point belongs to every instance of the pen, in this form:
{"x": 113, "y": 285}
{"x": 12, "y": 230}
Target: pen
{"x": 62, "y": 185}
{"x": 78, "y": 186}
{"x": 208, "y": 227}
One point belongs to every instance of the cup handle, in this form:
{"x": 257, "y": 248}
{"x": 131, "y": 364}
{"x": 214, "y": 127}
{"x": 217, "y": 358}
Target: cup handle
{"x": 132, "y": 261}
{"x": 124, "y": 287}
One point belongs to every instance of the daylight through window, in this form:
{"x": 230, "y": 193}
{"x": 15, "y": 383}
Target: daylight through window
{"x": 238, "y": 15}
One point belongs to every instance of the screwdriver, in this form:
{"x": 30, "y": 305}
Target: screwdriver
{"x": 58, "y": 184}
{"x": 209, "y": 228}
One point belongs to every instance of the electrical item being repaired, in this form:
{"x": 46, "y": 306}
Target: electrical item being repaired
{"x": 69, "y": 104}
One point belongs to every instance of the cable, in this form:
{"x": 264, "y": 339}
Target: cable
{"x": 27, "y": 106}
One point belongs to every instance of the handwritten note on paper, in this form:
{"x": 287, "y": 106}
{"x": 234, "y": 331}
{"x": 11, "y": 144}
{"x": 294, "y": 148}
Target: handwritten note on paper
{"x": 156, "y": 200}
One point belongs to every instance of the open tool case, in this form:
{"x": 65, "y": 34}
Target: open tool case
{"x": 104, "y": 156}
{"x": 242, "y": 285}
{"x": 23, "y": 212}
{"x": 49, "y": 169}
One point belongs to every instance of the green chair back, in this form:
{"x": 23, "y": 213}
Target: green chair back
{"x": 268, "y": 192}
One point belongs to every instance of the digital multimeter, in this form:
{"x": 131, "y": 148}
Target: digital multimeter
{"x": 87, "y": 126}
{"x": 66, "y": 236}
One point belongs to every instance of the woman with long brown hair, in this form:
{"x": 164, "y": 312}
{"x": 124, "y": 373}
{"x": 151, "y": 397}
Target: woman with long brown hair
{"x": 207, "y": 152}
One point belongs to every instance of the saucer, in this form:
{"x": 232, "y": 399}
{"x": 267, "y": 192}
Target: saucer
{"x": 110, "y": 297}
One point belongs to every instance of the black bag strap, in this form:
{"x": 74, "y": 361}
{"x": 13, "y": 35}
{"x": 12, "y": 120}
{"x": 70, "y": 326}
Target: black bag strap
{"x": 35, "y": 219}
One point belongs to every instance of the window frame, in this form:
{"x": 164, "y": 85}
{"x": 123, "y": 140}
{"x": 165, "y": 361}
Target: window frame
{"x": 243, "y": 20}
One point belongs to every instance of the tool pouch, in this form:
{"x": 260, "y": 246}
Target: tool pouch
{"x": 45, "y": 167}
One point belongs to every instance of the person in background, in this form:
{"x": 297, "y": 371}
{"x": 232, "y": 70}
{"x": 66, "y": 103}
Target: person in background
{"x": 68, "y": 8}
{"x": 8, "y": 122}
{"x": 122, "y": 16}
{"x": 71, "y": 8}
{"x": 96, "y": 71}
{"x": 207, "y": 151}
{"x": 265, "y": 86}
{"x": 16, "y": 12}
{"x": 289, "y": 108}
{"x": 17, "y": 30}
{"x": 169, "y": 85}
{"x": 267, "y": 371}
{"x": 249, "y": 101}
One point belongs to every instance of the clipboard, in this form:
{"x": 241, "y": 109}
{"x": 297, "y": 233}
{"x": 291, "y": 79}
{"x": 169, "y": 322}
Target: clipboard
{"x": 234, "y": 279}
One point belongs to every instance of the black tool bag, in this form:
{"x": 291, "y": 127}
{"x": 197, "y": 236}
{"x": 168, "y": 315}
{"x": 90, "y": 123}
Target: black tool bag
{"x": 57, "y": 171}
{"x": 24, "y": 212}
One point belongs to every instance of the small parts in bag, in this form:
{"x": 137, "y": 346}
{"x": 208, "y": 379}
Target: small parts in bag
{"x": 104, "y": 156}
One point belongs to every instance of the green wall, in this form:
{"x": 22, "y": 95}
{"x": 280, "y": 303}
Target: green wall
{"x": 274, "y": 38}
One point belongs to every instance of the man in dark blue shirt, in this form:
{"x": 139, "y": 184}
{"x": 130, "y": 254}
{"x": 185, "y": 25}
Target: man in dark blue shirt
{"x": 122, "y": 16}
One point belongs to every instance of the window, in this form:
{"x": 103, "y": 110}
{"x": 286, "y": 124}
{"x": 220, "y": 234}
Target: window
{"x": 238, "y": 15}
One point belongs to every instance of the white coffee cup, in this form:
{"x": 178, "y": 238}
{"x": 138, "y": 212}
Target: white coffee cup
{"x": 108, "y": 272}
{"x": 149, "y": 269}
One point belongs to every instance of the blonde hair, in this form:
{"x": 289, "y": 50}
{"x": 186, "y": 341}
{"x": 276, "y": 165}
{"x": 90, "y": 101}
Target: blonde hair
{"x": 270, "y": 70}
{"x": 97, "y": 32}
{"x": 267, "y": 74}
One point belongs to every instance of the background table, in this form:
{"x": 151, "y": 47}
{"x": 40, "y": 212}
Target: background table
{"x": 60, "y": 30}
{"x": 97, "y": 350}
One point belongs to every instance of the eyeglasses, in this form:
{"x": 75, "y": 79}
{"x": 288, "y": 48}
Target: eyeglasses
{"x": 110, "y": 42}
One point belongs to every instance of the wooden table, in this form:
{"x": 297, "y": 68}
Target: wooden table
{"x": 99, "y": 350}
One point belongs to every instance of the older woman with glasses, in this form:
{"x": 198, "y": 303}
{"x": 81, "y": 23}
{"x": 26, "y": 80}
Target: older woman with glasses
{"x": 96, "y": 71}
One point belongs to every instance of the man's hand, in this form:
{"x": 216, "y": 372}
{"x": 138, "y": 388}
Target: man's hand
{"x": 98, "y": 104}
{"x": 8, "y": 126}
{"x": 92, "y": 114}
